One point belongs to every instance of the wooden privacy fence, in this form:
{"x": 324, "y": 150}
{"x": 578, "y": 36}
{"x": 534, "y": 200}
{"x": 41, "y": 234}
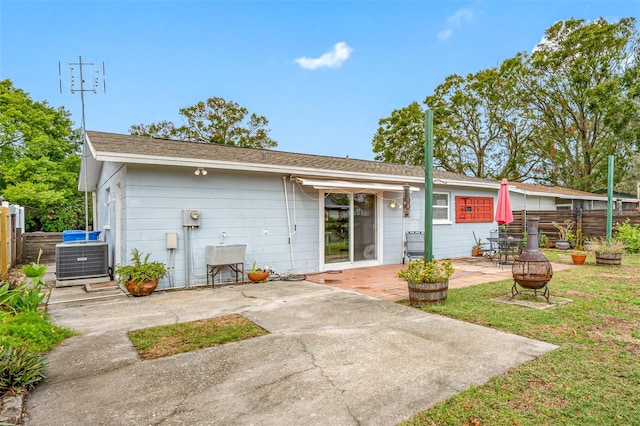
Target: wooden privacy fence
{"x": 593, "y": 223}
{"x": 36, "y": 241}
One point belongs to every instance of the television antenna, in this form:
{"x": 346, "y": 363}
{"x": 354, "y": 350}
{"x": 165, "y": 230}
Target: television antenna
{"x": 78, "y": 71}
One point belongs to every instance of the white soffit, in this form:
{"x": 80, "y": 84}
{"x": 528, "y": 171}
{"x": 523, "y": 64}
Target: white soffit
{"x": 341, "y": 184}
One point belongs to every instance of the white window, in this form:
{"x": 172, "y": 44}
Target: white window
{"x": 441, "y": 208}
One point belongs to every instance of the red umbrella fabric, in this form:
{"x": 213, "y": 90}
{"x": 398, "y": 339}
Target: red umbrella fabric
{"x": 504, "y": 215}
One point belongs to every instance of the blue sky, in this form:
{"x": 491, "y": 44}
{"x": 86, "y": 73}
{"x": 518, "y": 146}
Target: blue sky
{"x": 322, "y": 72}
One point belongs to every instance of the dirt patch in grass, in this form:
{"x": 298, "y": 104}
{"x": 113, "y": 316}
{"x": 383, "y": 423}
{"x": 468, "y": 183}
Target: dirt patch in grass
{"x": 166, "y": 340}
{"x": 612, "y": 330}
{"x": 613, "y": 277}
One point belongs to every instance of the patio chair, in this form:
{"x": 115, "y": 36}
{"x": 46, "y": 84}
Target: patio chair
{"x": 413, "y": 245}
{"x": 491, "y": 249}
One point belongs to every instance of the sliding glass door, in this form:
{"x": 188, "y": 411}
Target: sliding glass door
{"x": 350, "y": 228}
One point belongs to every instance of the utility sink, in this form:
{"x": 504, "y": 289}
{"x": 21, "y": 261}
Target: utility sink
{"x": 226, "y": 254}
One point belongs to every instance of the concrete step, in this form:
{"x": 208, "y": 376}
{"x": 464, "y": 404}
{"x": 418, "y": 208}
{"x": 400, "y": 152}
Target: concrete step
{"x": 78, "y": 295}
{"x": 101, "y": 286}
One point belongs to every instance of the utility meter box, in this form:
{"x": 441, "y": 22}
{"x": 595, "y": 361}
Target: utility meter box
{"x": 190, "y": 218}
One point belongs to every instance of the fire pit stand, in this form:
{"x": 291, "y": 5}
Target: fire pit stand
{"x": 533, "y": 280}
{"x": 532, "y": 270}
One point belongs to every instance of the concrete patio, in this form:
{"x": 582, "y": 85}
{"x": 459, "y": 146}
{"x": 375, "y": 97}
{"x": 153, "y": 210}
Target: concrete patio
{"x": 332, "y": 357}
{"x": 382, "y": 282}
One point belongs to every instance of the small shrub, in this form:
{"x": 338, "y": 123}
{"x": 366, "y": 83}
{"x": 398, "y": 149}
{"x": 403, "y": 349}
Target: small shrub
{"x": 8, "y": 295}
{"x": 21, "y": 298}
{"x": 20, "y": 368}
{"x": 611, "y": 246}
{"x": 565, "y": 232}
{"x": 421, "y": 271}
{"x": 31, "y": 330}
{"x": 630, "y": 235}
{"x": 543, "y": 240}
{"x": 26, "y": 296}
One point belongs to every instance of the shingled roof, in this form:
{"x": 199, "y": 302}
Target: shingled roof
{"x": 148, "y": 150}
{"x": 553, "y": 190}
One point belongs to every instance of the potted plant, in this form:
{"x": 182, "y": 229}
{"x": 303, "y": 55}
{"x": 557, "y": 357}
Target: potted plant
{"x": 565, "y": 234}
{"x": 476, "y": 250}
{"x": 257, "y": 275}
{"x": 428, "y": 281}
{"x": 590, "y": 245}
{"x": 140, "y": 278}
{"x": 579, "y": 257}
{"x": 545, "y": 241}
{"x": 609, "y": 251}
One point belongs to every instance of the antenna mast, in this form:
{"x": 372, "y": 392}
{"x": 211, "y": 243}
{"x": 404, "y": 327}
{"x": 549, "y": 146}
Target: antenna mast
{"x": 79, "y": 85}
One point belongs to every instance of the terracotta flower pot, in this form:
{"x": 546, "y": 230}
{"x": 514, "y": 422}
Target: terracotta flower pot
{"x": 257, "y": 277}
{"x": 475, "y": 252}
{"x": 144, "y": 288}
{"x": 578, "y": 258}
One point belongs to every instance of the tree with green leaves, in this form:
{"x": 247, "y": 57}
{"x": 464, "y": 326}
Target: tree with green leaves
{"x": 400, "y": 137}
{"x": 479, "y": 127}
{"x": 583, "y": 87}
{"x": 39, "y": 164}
{"x": 214, "y": 121}
{"x": 553, "y": 116}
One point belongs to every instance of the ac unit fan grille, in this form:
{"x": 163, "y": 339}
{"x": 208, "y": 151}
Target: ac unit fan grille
{"x": 81, "y": 260}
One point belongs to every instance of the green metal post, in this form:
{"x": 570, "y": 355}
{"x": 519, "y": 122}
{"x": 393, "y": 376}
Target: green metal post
{"x": 610, "y": 198}
{"x": 428, "y": 185}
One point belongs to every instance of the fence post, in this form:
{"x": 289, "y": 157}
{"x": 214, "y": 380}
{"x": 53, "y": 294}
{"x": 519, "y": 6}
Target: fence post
{"x": 5, "y": 242}
{"x": 578, "y": 215}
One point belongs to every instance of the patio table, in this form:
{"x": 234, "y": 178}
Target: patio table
{"x": 508, "y": 245}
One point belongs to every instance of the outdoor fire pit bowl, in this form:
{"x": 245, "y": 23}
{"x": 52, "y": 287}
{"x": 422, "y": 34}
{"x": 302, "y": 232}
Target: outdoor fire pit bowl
{"x": 532, "y": 270}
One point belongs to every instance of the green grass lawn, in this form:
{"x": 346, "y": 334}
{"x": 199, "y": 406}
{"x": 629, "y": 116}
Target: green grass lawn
{"x": 594, "y": 376}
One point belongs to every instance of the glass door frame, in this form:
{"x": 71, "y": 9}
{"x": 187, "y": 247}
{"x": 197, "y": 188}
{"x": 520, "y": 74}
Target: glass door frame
{"x": 378, "y": 226}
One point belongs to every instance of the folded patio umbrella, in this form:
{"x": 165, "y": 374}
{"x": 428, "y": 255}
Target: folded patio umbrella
{"x": 504, "y": 214}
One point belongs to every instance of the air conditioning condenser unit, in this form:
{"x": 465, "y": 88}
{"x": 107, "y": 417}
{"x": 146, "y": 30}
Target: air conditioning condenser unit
{"x": 84, "y": 259}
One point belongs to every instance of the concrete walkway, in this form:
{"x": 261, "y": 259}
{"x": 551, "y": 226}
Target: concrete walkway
{"x": 332, "y": 357}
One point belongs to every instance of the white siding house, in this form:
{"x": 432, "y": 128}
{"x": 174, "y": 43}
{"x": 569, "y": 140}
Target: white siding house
{"x": 295, "y": 213}
{"x": 526, "y": 196}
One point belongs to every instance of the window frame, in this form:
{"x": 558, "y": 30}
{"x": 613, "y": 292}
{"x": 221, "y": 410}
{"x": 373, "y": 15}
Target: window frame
{"x": 446, "y": 221}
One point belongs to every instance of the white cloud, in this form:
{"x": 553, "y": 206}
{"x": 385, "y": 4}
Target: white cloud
{"x": 461, "y": 16}
{"x": 332, "y": 59}
{"x": 443, "y": 35}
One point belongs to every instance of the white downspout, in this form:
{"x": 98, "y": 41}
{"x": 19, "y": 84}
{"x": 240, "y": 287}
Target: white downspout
{"x": 187, "y": 249}
{"x": 404, "y": 233}
{"x": 286, "y": 202}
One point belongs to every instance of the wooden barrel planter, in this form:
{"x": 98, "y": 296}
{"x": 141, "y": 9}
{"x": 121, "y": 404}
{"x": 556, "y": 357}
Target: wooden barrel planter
{"x": 423, "y": 293}
{"x": 608, "y": 258}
